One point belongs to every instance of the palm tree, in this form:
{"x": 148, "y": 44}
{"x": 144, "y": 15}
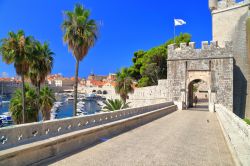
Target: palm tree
{"x": 80, "y": 33}
{"x": 113, "y": 105}
{"x": 15, "y": 107}
{"x": 42, "y": 66}
{"x": 124, "y": 84}
{"x": 46, "y": 100}
{"x": 17, "y": 49}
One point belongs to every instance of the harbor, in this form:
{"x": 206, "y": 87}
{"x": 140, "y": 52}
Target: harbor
{"x": 63, "y": 108}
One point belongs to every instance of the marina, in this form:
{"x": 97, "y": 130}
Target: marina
{"x": 62, "y": 108}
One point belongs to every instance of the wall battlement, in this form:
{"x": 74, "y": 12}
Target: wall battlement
{"x": 189, "y": 51}
{"x": 224, "y": 4}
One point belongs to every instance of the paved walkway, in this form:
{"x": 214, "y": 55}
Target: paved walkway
{"x": 191, "y": 138}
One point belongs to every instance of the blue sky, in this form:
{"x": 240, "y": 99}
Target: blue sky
{"x": 128, "y": 26}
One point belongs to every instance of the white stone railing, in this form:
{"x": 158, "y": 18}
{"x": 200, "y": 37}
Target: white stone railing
{"x": 21, "y": 134}
{"x": 237, "y": 134}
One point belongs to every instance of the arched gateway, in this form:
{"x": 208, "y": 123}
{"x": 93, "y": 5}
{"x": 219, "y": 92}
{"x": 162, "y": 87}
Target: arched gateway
{"x": 195, "y": 81}
{"x": 211, "y": 65}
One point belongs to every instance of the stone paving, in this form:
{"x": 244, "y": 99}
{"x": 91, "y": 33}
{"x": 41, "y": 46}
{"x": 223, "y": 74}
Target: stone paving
{"x": 182, "y": 138}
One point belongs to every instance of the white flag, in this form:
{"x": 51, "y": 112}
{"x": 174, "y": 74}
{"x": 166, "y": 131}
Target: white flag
{"x": 178, "y": 22}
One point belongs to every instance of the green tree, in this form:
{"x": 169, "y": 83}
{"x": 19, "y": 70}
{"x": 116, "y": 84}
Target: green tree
{"x": 150, "y": 66}
{"x": 42, "y": 65}
{"x": 80, "y": 33}
{"x": 113, "y": 105}
{"x": 144, "y": 81}
{"x": 17, "y": 49}
{"x": 46, "y": 101}
{"x": 124, "y": 84}
{"x": 137, "y": 64}
{"x": 31, "y": 112}
{"x": 182, "y": 38}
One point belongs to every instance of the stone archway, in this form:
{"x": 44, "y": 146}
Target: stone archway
{"x": 198, "y": 89}
{"x": 198, "y": 77}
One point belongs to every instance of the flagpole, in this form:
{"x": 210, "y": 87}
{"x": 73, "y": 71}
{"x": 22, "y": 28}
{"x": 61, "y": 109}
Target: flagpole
{"x": 174, "y": 30}
{"x": 174, "y": 33}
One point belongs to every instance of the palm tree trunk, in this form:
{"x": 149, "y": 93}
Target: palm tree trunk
{"x": 38, "y": 104}
{"x": 124, "y": 86}
{"x": 23, "y": 98}
{"x": 75, "y": 87}
{"x": 38, "y": 89}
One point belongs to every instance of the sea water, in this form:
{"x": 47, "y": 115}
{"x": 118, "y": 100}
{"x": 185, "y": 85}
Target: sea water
{"x": 65, "y": 111}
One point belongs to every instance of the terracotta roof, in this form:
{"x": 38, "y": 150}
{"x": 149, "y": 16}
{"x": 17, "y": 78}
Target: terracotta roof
{"x": 97, "y": 83}
{"x": 10, "y": 80}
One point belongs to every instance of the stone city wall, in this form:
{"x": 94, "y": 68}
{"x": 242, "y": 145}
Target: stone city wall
{"x": 150, "y": 95}
{"x": 211, "y": 63}
{"x": 237, "y": 30}
{"x": 237, "y": 134}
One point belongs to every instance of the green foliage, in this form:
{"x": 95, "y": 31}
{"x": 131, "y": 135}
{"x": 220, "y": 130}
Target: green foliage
{"x": 182, "y": 38}
{"x": 150, "y": 66}
{"x": 195, "y": 88}
{"x": 113, "y": 105}
{"x": 124, "y": 84}
{"x": 31, "y": 112}
{"x": 247, "y": 121}
{"x": 80, "y": 33}
{"x": 42, "y": 65}
{"x": 144, "y": 81}
{"x": 46, "y": 101}
{"x": 17, "y": 49}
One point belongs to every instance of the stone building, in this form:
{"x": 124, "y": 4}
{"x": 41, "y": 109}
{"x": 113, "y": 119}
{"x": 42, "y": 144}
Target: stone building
{"x": 211, "y": 64}
{"x": 231, "y": 22}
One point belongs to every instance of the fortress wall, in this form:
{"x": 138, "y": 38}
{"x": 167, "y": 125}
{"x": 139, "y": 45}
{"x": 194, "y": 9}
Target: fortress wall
{"x": 211, "y": 63}
{"x": 150, "y": 95}
{"x": 230, "y": 24}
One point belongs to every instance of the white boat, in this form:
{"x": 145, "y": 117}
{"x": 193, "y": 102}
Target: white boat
{"x": 78, "y": 110}
{"x": 58, "y": 104}
{"x": 80, "y": 98}
{"x": 54, "y": 109}
{"x": 7, "y": 113}
{"x": 53, "y": 116}
{"x": 69, "y": 98}
{"x": 81, "y": 104}
{"x": 81, "y": 113}
{"x": 6, "y": 118}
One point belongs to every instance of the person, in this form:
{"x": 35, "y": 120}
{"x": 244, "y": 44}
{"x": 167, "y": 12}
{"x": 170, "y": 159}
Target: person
{"x": 195, "y": 100}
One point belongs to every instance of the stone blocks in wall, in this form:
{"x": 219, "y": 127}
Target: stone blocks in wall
{"x": 188, "y": 51}
{"x": 237, "y": 134}
{"x": 216, "y": 61}
{"x": 150, "y": 95}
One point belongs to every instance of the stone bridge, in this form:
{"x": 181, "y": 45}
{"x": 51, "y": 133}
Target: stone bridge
{"x": 153, "y": 133}
{"x": 149, "y": 135}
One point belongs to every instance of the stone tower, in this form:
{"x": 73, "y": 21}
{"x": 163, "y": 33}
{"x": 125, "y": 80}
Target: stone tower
{"x": 231, "y": 22}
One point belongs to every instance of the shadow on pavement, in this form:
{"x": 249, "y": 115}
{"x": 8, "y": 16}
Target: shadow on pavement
{"x": 199, "y": 107}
